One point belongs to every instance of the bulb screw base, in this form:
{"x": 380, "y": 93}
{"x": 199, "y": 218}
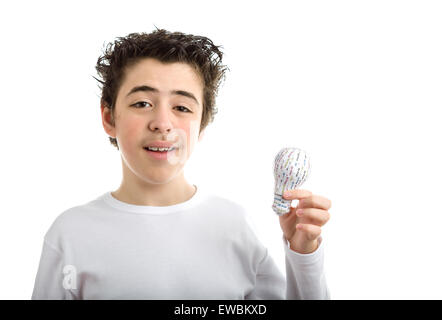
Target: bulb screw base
{"x": 280, "y": 205}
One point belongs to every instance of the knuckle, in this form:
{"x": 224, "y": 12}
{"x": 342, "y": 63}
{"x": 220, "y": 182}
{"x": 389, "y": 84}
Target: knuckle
{"x": 327, "y": 216}
{"x": 313, "y": 234}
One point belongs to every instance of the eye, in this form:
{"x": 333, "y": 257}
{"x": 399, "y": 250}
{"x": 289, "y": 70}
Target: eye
{"x": 142, "y": 103}
{"x": 184, "y": 108}
{"x": 138, "y": 103}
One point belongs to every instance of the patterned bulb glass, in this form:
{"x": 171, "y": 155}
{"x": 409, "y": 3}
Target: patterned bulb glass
{"x": 291, "y": 168}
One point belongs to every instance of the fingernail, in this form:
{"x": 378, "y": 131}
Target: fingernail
{"x": 286, "y": 193}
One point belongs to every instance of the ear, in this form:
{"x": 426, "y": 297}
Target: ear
{"x": 106, "y": 119}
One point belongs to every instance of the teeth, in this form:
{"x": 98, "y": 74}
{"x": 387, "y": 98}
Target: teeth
{"x": 160, "y": 149}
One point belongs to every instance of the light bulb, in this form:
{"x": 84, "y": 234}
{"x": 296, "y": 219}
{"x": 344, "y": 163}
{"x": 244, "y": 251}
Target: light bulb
{"x": 291, "y": 168}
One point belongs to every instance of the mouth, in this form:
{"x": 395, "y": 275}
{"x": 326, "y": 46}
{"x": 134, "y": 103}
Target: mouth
{"x": 160, "y": 153}
{"x": 160, "y": 150}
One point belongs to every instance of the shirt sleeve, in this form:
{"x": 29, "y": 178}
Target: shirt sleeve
{"x": 270, "y": 283}
{"x": 305, "y": 274}
{"x": 49, "y": 280}
{"x": 304, "y": 279}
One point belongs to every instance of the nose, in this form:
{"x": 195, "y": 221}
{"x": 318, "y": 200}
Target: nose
{"x": 160, "y": 121}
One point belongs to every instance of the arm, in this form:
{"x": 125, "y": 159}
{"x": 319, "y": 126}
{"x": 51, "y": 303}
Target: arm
{"x": 305, "y": 278}
{"x": 304, "y": 253}
{"x": 270, "y": 283}
{"x": 49, "y": 280}
{"x": 305, "y": 274}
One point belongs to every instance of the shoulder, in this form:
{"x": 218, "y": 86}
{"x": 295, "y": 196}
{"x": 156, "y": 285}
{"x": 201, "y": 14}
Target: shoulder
{"x": 69, "y": 223}
{"x": 238, "y": 223}
{"x": 230, "y": 211}
{"x": 226, "y": 207}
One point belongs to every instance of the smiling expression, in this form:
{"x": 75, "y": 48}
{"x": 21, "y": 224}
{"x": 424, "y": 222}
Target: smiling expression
{"x": 156, "y": 102}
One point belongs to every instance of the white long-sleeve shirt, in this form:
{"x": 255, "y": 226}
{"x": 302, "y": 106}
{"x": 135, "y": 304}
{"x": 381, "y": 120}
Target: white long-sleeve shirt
{"x": 203, "y": 248}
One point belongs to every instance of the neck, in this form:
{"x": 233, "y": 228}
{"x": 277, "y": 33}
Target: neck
{"x": 135, "y": 191}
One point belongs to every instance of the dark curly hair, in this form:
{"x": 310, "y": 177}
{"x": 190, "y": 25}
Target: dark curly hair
{"x": 197, "y": 51}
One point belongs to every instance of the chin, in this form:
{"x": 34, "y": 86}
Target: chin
{"x": 160, "y": 176}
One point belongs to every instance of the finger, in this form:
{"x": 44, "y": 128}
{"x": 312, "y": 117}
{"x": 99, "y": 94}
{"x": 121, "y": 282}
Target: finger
{"x": 315, "y": 216}
{"x": 289, "y": 220}
{"x": 296, "y": 194}
{"x": 289, "y": 215}
{"x": 315, "y": 201}
{"x": 312, "y": 232}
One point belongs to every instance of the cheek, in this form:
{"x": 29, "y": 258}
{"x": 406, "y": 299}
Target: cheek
{"x": 129, "y": 131}
{"x": 186, "y": 133}
{"x": 192, "y": 130}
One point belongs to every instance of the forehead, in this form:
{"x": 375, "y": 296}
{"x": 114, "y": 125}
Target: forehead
{"x": 165, "y": 76}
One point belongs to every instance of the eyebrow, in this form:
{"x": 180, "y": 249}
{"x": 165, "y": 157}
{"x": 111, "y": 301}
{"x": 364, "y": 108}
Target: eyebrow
{"x": 145, "y": 88}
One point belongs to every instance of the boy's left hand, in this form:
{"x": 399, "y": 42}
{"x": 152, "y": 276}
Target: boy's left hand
{"x": 303, "y": 230}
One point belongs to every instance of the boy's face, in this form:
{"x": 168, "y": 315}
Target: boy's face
{"x": 145, "y": 116}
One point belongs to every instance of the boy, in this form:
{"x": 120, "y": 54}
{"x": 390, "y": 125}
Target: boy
{"x": 158, "y": 236}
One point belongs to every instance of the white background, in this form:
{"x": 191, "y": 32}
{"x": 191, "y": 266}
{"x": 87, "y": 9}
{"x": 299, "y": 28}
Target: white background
{"x": 357, "y": 84}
